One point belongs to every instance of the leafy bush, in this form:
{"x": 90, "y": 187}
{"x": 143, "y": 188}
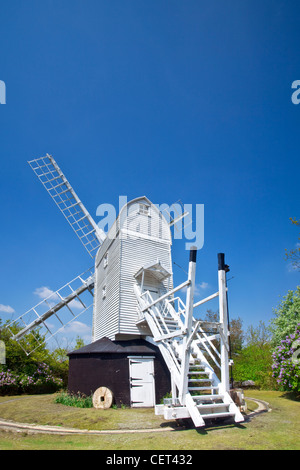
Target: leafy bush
{"x": 41, "y": 371}
{"x": 253, "y": 363}
{"x": 77, "y": 400}
{"x": 41, "y": 380}
{"x": 286, "y": 365}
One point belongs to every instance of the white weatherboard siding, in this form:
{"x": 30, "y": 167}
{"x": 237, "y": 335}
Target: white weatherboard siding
{"x": 106, "y": 310}
{"x": 141, "y": 237}
{"x": 136, "y": 253}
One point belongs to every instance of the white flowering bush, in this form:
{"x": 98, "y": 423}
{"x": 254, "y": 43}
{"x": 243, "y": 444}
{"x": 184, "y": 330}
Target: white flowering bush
{"x": 286, "y": 362}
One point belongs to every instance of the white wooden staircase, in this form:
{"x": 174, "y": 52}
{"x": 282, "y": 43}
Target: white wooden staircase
{"x": 189, "y": 353}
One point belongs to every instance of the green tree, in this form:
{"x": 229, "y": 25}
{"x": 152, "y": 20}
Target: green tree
{"x": 236, "y": 335}
{"x": 258, "y": 336}
{"x": 287, "y": 317}
{"x": 21, "y": 357}
{"x": 236, "y": 330}
{"x": 25, "y": 357}
{"x": 255, "y": 359}
{"x": 79, "y": 343}
{"x": 294, "y": 254}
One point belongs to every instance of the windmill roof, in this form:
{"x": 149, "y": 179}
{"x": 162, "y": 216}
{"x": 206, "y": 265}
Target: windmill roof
{"x": 105, "y": 345}
{"x": 156, "y": 269}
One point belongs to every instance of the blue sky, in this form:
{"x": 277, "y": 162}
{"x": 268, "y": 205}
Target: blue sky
{"x": 171, "y": 99}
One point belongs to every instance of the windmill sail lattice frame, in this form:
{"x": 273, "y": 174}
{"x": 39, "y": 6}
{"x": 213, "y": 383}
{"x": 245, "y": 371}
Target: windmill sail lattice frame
{"x": 62, "y": 306}
{"x": 68, "y": 202}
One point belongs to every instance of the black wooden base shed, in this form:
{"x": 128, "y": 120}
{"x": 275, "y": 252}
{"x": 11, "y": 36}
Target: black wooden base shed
{"x": 106, "y": 363}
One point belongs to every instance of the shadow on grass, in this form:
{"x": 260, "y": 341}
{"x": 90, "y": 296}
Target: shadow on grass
{"x": 213, "y": 426}
{"x": 294, "y": 396}
{"x": 187, "y": 423}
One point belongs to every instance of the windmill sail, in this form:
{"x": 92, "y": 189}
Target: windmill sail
{"x": 62, "y": 306}
{"x": 68, "y": 202}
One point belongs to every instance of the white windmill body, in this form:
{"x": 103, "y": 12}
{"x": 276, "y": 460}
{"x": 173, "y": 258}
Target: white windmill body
{"x": 136, "y": 252}
{"x": 145, "y": 339}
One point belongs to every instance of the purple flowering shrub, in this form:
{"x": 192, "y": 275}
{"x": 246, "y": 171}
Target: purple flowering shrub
{"x": 286, "y": 362}
{"x": 8, "y": 383}
{"x": 41, "y": 380}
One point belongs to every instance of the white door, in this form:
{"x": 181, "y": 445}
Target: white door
{"x": 142, "y": 389}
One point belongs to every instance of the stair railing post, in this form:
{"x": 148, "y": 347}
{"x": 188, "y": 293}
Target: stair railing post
{"x": 224, "y": 322}
{"x": 186, "y": 349}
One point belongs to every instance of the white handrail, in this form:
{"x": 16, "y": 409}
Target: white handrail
{"x": 181, "y": 286}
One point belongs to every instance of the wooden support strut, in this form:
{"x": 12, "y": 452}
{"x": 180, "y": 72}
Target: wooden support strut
{"x": 186, "y": 350}
{"x": 224, "y": 322}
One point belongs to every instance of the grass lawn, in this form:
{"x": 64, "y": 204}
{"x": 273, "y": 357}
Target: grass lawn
{"x": 278, "y": 429}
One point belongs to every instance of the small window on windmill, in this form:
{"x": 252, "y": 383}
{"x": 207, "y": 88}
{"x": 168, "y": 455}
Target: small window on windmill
{"x": 143, "y": 209}
{"x": 103, "y": 292}
{"x": 105, "y": 260}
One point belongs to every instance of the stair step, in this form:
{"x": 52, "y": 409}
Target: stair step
{"x": 217, "y": 415}
{"x": 169, "y": 325}
{"x": 168, "y": 320}
{"x": 207, "y": 397}
{"x": 195, "y": 372}
{"x": 204, "y": 406}
{"x": 209, "y": 387}
{"x": 200, "y": 380}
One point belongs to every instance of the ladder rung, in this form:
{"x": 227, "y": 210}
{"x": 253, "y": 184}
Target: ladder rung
{"x": 72, "y": 214}
{"x": 79, "y": 220}
{"x": 57, "y": 186}
{"x": 46, "y": 165}
{"x": 69, "y": 207}
{"x": 86, "y": 234}
{"x": 62, "y": 192}
{"x": 169, "y": 320}
{"x": 80, "y": 228}
{"x": 37, "y": 167}
{"x": 63, "y": 200}
{"x": 49, "y": 181}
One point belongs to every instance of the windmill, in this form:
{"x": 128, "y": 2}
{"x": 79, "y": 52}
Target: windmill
{"x": 145, "y": 339}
